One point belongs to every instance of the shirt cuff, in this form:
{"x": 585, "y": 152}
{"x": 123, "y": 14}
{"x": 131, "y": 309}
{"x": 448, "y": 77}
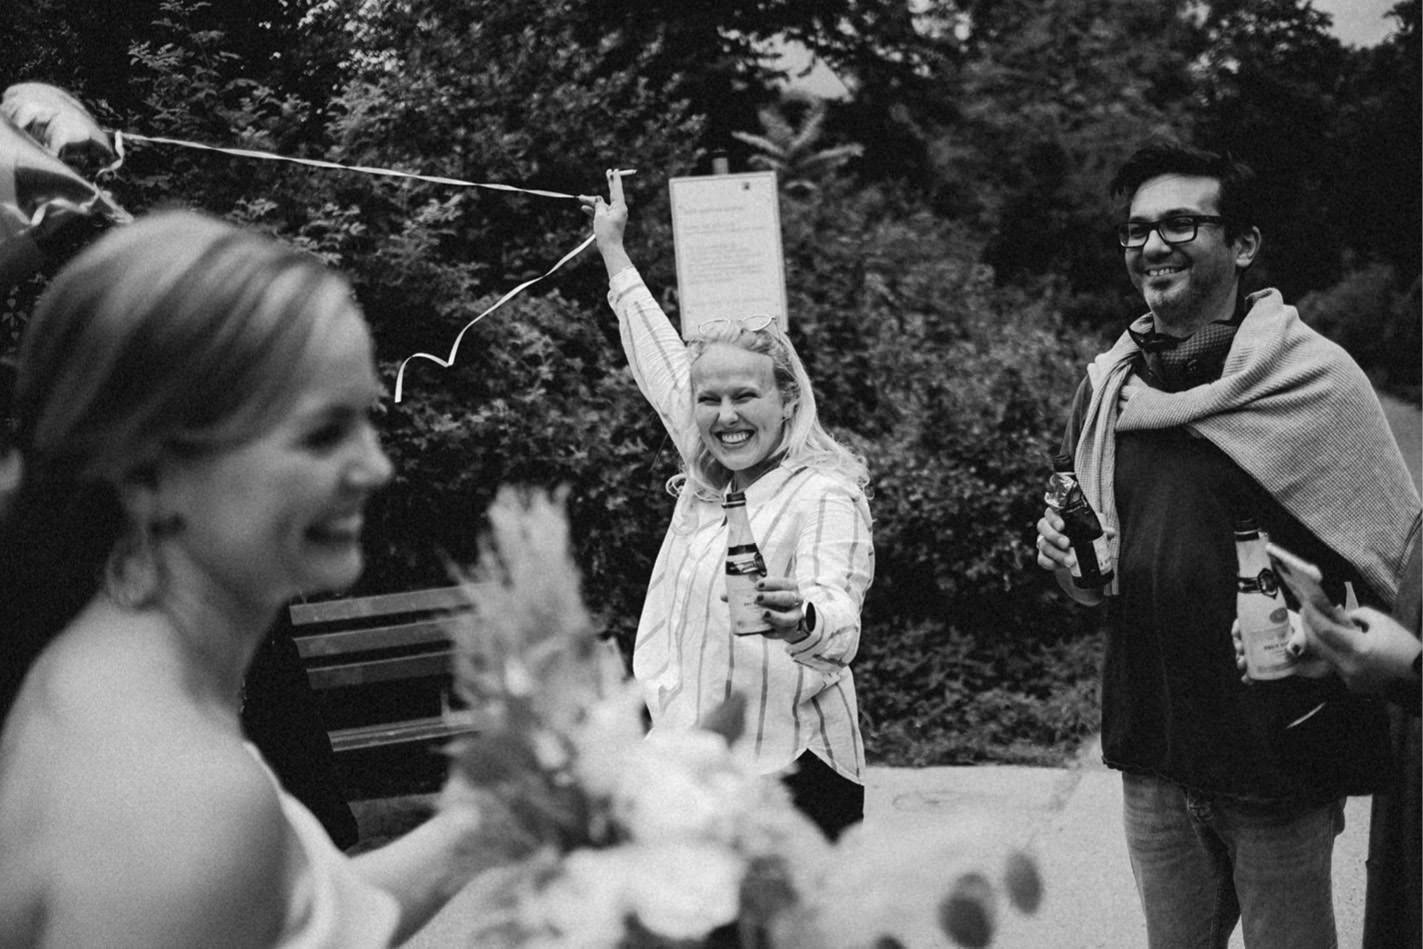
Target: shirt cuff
{"x": 623, "y": 279}
{"x": 804, "y": 651}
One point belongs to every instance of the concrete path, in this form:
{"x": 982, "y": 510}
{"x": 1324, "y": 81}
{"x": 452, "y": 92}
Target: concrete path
{"x": 1069, "y": 820}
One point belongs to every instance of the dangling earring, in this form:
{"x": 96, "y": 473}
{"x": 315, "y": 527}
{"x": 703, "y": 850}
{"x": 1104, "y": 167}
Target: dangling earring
{"x": 134, "y": 574}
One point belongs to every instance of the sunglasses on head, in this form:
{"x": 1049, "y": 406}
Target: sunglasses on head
{"x": 753, "y": 323}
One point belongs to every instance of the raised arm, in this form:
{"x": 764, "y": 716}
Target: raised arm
{"x": 655, "y": 352}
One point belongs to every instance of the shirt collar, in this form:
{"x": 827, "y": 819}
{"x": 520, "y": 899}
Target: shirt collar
{"x": 769, "y": 483}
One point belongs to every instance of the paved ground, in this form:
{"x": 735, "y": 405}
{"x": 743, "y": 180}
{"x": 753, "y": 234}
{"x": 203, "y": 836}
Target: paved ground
{"x": 1070, "y": 820}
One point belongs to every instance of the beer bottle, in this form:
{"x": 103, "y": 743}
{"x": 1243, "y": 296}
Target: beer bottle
{"x": 1089, "y": 542}
{"x": 744, "y": 566}
{"x": 1259, "y": 605}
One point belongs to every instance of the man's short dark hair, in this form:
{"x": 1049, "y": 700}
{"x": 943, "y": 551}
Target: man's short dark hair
{"x": 1238, "y": 197}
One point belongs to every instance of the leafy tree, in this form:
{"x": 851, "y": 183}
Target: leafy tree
{"x": 1043, "y": 101}
{"x": 791, "y": 148}
{"x": 1269, "y": 87}
{"x": 1375, "y": 211}
{"x": 80, "y": 45}
{"x": 714, "y": 55}
{"x": 495, "y": 91}
{"x": 1059, "y": 105}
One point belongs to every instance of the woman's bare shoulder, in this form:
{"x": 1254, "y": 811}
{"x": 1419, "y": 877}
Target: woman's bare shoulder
{"x": 187, "y": 847}
{"x": 140, "y": 815}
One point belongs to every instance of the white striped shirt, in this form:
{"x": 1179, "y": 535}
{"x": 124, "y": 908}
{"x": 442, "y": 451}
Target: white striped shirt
{"x": 809, "y": 525}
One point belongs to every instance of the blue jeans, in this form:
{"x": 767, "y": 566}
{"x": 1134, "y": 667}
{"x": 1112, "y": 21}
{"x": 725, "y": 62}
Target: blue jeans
{"x": 1202, "y": 864}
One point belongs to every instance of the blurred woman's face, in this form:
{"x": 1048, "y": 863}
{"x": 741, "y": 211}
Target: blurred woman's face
{"x": 282, "y": 514}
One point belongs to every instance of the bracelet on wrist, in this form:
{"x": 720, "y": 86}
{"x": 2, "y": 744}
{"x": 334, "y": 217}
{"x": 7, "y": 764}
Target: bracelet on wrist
{"x": 806, "y": 626}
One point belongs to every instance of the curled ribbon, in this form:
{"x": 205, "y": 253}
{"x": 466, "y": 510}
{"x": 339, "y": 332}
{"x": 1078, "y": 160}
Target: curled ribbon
{"x": 446, "y": 363}
{"x": 120, "y": 138}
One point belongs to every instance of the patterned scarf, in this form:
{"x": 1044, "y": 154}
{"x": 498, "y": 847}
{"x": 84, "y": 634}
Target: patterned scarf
{"x": 1296, "y": 414}
{"x": 1173, "y": 363}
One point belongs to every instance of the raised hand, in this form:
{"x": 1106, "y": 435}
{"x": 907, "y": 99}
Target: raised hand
{"x": 609, "y": 221}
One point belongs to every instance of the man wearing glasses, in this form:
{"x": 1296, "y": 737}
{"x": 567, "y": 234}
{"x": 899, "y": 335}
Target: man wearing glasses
{"x": 1212, "y": 406}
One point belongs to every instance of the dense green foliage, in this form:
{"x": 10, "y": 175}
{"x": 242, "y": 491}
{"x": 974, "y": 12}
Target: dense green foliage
{"x": 948, "y": 251}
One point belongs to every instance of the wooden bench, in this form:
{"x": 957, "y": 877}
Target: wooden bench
{"x": 350, "y": 644}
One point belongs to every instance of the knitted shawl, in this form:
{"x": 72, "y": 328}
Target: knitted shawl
{"x": 1293, "y": 411}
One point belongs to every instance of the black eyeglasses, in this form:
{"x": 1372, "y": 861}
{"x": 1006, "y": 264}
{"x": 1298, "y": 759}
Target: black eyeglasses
{"x": 1177, "y": 229}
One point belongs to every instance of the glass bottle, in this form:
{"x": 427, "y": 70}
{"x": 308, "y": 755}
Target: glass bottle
{"x": 744, "y": 566}
{"x": 1259, "y": 605}
{"x": 1081, "y": 525}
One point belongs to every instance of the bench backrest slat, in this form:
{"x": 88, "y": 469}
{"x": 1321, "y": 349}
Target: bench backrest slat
{"x": 382, "y": 604}
{"x": 381, "y": 670}
{"x": 347, "y": 641}
{"x": 451, "y": 725}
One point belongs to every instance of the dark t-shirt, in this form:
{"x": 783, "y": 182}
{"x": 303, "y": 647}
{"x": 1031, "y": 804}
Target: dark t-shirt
{"x": 1173, "y": 703}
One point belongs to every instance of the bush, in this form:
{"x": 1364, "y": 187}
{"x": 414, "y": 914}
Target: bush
{"x": 930, "y": 695}
{"x": 538, "y": 396}
{"x": 1374, "y": 313}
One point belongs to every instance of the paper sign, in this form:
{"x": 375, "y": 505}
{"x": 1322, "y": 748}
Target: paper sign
{"x": 726, "y": 233}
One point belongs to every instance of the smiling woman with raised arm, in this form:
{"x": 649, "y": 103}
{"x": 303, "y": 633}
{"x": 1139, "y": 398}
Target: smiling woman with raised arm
{"x": 738, "y": 404}
{"x": 193, "y": 406}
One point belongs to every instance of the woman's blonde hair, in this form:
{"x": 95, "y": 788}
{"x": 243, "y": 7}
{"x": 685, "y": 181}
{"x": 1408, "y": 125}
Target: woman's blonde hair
{"x": 804, "y": 441}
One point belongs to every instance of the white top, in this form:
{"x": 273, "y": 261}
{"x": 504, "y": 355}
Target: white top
{"x": 331, "y": 906}
{"x": 809, "y": 525}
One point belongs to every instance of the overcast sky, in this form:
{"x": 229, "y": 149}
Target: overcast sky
{"x": 1359, "y": 22}
{"x": 1356, "y": 23}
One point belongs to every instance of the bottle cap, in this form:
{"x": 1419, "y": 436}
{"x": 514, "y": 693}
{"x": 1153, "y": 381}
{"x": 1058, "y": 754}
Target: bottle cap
{"x": 1062, "y": 462}
{"x": 1246, "y": 526}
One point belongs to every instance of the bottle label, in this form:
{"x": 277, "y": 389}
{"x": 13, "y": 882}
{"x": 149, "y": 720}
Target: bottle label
{"x": 744, "y": 566}
{"x": 1079, "y": 520}
{"x": 1264, "y": 634}
{"x": 745, "y": 561}
{"x": 1264, "y": 582}
{"x": 1093, "y": 566}
{"x": 748, "y": 617}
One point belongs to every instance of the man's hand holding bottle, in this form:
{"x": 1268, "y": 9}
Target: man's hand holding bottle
{"x": 1055, "y": 553}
